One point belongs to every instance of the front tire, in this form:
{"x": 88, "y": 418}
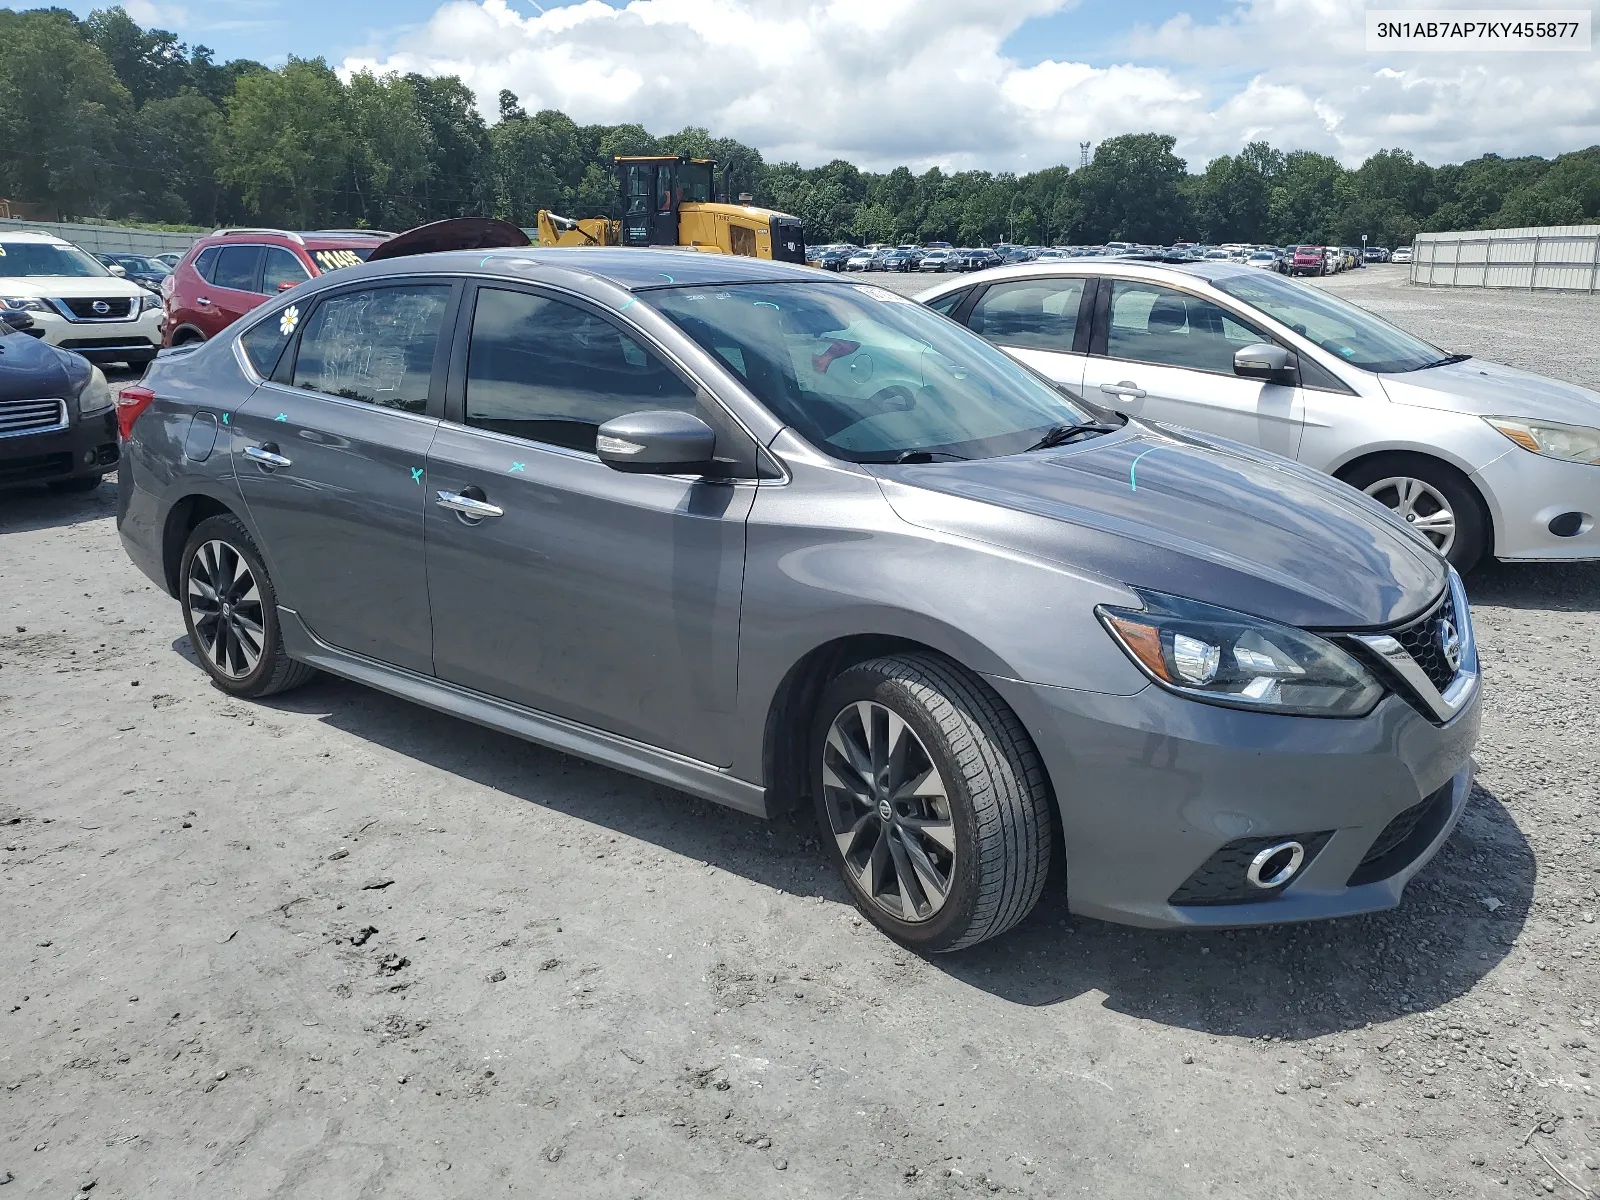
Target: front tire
{"x": 932, "y": 800}
{"x": 231, "y": 611}
{"x": 1433, "y": 498}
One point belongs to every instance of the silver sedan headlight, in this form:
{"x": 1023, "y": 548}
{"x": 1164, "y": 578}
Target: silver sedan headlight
{"x": 1570, "y": 443}
{"x": 1230, "y": 658}
{"x": 96, "y": 396}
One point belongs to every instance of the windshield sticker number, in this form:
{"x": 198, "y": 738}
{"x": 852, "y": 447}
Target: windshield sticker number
{"x": 883, "y": 295}
{"x": 333, "y": 260}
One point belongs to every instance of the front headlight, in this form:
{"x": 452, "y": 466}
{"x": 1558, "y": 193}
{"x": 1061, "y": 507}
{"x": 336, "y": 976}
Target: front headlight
{"x": 1572, "y": 443}
{"x": 148, "y": 301}
{"x": 26, "y": 303}
{"x": 96, "y": 395}
{"x": 1230, "y": 658}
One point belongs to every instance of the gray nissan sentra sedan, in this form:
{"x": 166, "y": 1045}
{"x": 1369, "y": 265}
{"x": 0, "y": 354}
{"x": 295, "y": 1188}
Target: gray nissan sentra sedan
{"x": 767, "y": 535}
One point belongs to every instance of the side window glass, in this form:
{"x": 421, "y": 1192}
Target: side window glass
{"x": 948, "y": 304}
{"x": 264, "y": 341}
{"x": 236, "y": 268}
{"x": 1153, "y": 324}
{"x": 205, "y": 262}
{"x": 1036, "y": 314}
{"x": 549, "y": 371}
{"x": 376, "y": 345}
{"x": 281, "y": 268}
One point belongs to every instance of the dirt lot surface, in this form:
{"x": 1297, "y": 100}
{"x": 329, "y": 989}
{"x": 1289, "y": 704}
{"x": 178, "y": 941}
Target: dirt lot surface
{"x": 335, "y": 945}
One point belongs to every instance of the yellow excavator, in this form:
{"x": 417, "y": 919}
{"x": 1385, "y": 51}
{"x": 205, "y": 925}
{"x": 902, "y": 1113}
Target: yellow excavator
{"x": 669, "y": 200}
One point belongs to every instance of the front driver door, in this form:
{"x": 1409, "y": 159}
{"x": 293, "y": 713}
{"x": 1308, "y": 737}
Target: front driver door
{"x": 331, "y": 456}
{"x": 1166, "y": 355}
{"x": 1037, "y": 322}
{"x": 609, "y": 599}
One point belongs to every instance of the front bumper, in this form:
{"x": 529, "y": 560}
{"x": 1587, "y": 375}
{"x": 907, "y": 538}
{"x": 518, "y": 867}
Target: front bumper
{"x": 102, "y": 341}
{"x": 1525, "y": 491}
{"x": 1152, "y": 786}
{"x": 87, "y": 446}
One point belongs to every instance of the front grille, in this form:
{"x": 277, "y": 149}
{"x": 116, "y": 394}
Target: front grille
{"x": 1221, "y": 878}
{"x": 117, "y": 308}
{"x": 38, "y": 466}
{"x": 1422, "y": 641}
{"x": 104, "y": 343}
{"x": 31, "y": 416}
{"x": 1403, "y": 838}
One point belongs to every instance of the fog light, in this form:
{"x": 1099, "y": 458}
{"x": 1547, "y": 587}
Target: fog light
{"x": 88, "y": 458}
{"x": 1275, "y": 865}
{"x": 1567, "y": 524}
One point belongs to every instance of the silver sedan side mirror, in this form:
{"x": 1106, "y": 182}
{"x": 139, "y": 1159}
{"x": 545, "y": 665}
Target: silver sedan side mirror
{"x": 1271, "y": 364}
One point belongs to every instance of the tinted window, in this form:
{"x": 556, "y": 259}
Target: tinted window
{"x": 236, "y": 268}
{"x": 1036, "y": 314}
{"x": 948, "y": 304}
{"x": 375, "y": 345}
{"x": 1153, "y": 324}
{"x": 205, "y": 262}
{"x": 549, "y": 371}
{"x": 281, "y": 267}
{"x": 263, "y": 343}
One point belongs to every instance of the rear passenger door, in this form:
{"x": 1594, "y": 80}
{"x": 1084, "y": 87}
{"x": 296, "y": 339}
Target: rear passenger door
{"x": 1042, "y": 322}
{"x": 331, "y": 452}
{"x": 606, "y": 598}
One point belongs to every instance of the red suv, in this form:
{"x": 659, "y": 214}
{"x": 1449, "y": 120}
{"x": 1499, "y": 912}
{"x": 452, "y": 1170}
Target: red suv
{"x": 229, "y": 272}
{"x": 1307, "y": 260}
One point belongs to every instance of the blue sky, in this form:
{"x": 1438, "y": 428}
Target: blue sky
{"x": 995, "y": 84}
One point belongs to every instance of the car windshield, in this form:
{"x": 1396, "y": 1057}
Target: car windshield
{"x": 1354, "y": 334}
{"x": 868, "y": 375}
{"x": 20, "y": 259}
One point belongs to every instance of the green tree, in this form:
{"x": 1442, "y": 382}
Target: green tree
{"x": 175, "y": 149}
{"x": 1131, "y": 189}
{"x": 290, "y": 143}
{"x": 391, "y": 151}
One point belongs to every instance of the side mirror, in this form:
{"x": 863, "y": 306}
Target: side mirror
{"x": 657, "y": 443}
{"x": 285, "y": 285}
{"x": 117, "y": 269}
{"x": 1270, "y": 364}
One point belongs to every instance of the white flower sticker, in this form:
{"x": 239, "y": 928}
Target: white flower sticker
{"x": 289, "y": 318}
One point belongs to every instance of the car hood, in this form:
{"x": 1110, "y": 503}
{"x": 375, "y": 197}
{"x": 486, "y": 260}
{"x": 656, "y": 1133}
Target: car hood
{"x": 33, "y": 370}
{"x": 1491, "y": 390}
{"x": 68, "y": 287}
{"x": 1190, "y": 515}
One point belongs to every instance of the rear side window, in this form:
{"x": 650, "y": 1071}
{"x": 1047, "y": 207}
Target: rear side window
{"x": 1034, "y": 314}
{"x": 375, "y": 345}
{"x": 948, "y": 304}
{"x": 238, "y": 268}
{"x": 205, "y": 262}
{"x": 281, "y": 267}
{"x": 263, "y": 343}
{"x": 553, "y": 372}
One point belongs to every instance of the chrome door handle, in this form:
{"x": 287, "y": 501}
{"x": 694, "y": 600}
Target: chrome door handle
{"x": 202, "y": 300}
{"x": 467, "y": 506}
{"x": 1126, "y": 388}
{"x": 266, "y": 457}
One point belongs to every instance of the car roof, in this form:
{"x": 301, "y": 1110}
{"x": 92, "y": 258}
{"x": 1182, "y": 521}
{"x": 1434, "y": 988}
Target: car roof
{"x": 32, "y": 235}
{"x": 633, "y": 270}
{"x": 1155, "y": 268}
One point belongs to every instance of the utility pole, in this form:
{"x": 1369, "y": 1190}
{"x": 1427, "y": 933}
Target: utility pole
{"x": 1083, "y": 154}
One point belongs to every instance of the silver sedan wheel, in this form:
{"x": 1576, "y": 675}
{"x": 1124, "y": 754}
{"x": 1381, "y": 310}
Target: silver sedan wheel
{"x": 1420, "y": 505}
{"x": 225, "y": 605}
{"x": 889, "y": 811}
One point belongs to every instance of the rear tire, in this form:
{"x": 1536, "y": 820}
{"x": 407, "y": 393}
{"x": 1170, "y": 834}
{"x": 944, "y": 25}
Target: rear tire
{"x": 231, "y": 611}
{"x": 932, "y": 801}
{"x": 1392, "y": 479}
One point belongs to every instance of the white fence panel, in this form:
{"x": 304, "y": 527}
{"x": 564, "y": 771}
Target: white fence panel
{"x": 1555, "y": 258}
{"x": 107, "y": 239}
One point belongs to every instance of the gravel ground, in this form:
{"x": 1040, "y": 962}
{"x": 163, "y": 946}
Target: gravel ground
{"x": 335, "y": 945}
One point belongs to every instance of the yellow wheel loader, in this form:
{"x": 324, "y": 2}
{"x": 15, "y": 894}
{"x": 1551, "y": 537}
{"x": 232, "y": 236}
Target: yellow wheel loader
{"x": 670, "y": 201}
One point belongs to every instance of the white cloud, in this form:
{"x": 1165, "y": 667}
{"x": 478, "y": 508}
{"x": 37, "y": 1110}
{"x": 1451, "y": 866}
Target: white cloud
{"x": 925, "y": 82}
{"x": 165, "y": 16}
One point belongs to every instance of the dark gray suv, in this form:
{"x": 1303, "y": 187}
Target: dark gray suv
{"x": 763, "y": 534}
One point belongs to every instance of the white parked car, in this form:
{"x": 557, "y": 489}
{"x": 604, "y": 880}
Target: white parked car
{"x": 76, "y": 303}
{"x": 1477, "y": 457}
{"x": 1402, "y": 255}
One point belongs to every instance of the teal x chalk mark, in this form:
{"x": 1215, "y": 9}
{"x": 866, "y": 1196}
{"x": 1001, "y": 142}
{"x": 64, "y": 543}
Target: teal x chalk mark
{"x": 281, "y": 417}
{"x": 1133, "y": 482}
{"x": 224, "y": 418}
{"x": 416, "y": 474}
{"x": 517, "y": 468}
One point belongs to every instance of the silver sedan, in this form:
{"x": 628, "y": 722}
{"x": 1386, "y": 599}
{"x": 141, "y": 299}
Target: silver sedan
{"x": 1482, "y": 458}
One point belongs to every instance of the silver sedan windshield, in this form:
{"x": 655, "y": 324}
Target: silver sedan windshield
{"x": 868, "y": 375}
{"x": 1354, "y": 334}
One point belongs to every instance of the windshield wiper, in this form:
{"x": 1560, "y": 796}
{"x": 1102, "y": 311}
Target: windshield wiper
{"x": 1060, "y": 435}
{"x": 926, "y": 456}
{"x": 1448, "y": 359}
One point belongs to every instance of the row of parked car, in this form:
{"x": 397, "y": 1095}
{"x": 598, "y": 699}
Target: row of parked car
{"x": 939, "y": 257}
